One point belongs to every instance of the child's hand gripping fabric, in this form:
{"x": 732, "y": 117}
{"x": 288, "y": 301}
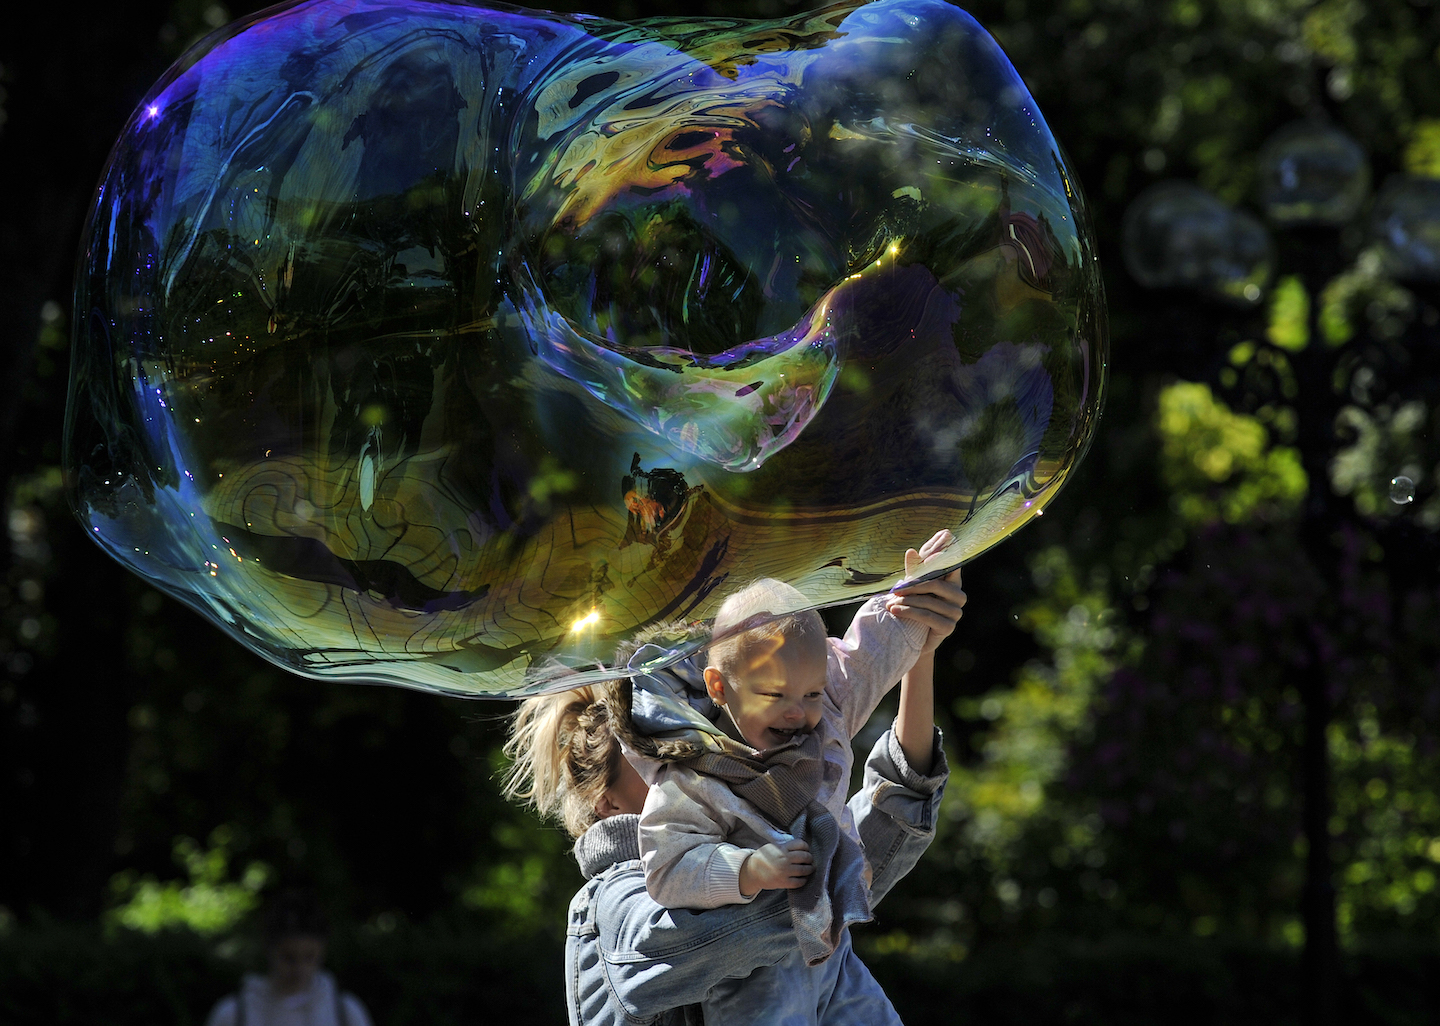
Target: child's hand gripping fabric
{"x": 784, "y": 866}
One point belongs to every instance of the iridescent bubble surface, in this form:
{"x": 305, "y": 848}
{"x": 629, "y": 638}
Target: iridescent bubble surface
{"x": 449, "y": 347}
{"x": 1177, "y": 235}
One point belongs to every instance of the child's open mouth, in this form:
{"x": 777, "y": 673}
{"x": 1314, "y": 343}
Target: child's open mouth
{"x": 788, "y": 732}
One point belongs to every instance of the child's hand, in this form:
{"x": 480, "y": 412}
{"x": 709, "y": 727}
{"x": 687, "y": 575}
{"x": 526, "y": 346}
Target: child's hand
{"x": 776, "y": 867}
{"x": 937, "y": 604}
{"x": 937, "y": 543}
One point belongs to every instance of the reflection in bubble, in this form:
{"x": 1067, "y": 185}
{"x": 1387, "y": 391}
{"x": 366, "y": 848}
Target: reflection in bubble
{"x": 1177, "y": 235}
{"x": 449, "y": 347}
{"x": 1402, "y": 490}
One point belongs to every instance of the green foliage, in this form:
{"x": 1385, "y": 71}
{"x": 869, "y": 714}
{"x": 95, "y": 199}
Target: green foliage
{"x": 1289, "y": 314}
{"x": 445, "y": 973}
{"x": 1363, "y": 296}
{"x": 1422, "y": 152}
{"x": 1032, "y": 723}
{"x": 1387, "y": 820}
{"x": 1386, "y": 441}
{"x": 1220, "y": 465}
{"x": 530, "y": 880}
{"x": 210, "y": 903}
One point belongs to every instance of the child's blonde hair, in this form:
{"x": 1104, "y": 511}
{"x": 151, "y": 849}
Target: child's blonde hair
{"x": 766, "y": 597}
{"x": 564, "y": 755}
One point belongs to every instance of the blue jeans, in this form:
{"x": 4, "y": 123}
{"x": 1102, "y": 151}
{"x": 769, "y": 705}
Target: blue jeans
{"x": 839, "y": 991}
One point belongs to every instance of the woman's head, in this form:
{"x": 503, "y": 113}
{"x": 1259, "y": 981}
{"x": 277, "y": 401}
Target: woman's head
{"x": 566, "y": 761}
{"x": 567, "y": 750}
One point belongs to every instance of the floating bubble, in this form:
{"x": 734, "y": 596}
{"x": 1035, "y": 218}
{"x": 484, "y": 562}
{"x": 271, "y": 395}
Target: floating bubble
{"x": 1177, "y": 235}
{"x": 1312, "y": 174}
{"x": 449, "y": 347}
{"x": 1402, "y": 490}
{"x": 1406, "y": 225}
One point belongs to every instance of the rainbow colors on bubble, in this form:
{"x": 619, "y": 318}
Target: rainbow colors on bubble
{"x": 449, "y": 347}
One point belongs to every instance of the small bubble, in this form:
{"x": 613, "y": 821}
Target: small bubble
{"x": 1402, "y": 490}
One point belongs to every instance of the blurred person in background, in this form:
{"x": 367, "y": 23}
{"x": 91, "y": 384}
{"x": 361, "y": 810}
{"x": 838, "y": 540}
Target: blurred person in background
{"x": 296, "y": 991}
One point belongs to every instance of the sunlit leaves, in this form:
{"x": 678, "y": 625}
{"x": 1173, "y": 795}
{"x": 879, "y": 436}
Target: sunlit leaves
{"x": 1025, "y": 752}
{"x": 209, "y": 902}
{"x": 1220, "y": 465}
{"x": 1387, "y": 822}
{"x": 1422, "y": 152}
{"x": 1385, "y": 442}
{"x": 1328, "y": 30}
{"x": 1363, "y": 297}
{"x": 1289, "y": 315}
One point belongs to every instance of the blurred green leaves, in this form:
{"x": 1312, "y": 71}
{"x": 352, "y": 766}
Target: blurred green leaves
{"x": 1221, "y": 465}
{"x": 1032, "y": 723}
{"x": 1386, "y": 824}
{"x": 1422, "y": 152}
{"x": 529, "y": 880}
{"x": 208, "y": 902}
{"x": 1289, "y": 314}
{"x": 1363, "y": 298}
{"x": 1386, "y": 442}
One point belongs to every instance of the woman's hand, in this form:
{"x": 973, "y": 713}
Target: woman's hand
{"x": 776, "y": 867}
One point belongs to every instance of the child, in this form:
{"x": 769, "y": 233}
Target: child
{"x": 763, "y": 806}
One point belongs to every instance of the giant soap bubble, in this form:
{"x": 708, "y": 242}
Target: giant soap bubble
{"x": 442, "y": 346}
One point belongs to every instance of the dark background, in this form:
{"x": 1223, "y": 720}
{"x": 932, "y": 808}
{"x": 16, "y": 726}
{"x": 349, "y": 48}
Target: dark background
{"x": 1200, "y": 682}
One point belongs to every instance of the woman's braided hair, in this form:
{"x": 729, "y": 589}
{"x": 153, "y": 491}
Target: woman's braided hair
{"x": 565, "y": 748}
{"x": 563, "y": 755}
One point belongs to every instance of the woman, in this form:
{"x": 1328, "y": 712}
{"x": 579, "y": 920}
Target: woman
{"x": 627, "y": 959}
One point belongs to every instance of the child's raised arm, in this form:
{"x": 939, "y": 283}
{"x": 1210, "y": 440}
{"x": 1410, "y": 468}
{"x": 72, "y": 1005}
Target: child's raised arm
{"x": 938, "y": 605}
{"x": 914, "y": 725}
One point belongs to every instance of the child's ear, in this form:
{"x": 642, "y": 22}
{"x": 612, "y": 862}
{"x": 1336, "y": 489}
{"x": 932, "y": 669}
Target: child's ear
{"x": 715, "y": 685}
{"x": 605, "y": 806}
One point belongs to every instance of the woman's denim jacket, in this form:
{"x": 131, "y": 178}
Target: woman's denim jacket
{"x": 631, "y": 961}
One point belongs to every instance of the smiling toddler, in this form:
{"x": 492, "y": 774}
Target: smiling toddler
{"x": 763, "y": 806}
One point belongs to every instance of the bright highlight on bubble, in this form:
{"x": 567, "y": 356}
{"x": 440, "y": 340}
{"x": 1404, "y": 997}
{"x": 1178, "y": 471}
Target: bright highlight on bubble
{"x": 1402, "y": 490}
{"x": 483, "y": 340}
{"x": 588, "y": 620}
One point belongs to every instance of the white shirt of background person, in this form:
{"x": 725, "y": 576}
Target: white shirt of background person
{"x": 296, "y": 992}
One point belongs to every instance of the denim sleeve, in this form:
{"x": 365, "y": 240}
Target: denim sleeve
{"x": 656, "y": 959}
{"x": 895, "y": 810}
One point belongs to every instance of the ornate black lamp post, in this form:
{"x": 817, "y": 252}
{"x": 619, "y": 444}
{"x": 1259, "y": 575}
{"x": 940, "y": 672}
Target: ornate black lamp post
{"x": 1314, "y": 181}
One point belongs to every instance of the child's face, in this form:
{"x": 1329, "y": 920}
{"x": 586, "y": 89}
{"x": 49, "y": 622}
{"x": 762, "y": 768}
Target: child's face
{"x": 775, "y": 694}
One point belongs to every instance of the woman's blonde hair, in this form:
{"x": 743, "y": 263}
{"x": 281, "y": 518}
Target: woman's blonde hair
{"x": 563, "y": 755}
